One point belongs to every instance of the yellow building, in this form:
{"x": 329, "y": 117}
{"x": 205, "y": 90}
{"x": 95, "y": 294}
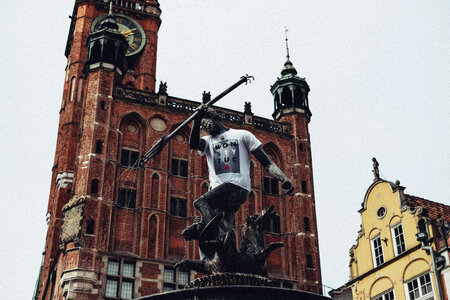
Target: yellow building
{"x": 401, "y": 251}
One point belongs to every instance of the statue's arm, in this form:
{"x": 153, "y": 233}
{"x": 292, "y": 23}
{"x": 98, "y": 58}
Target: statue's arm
{"x": 195, "y": 142}
{"x": 273, "y": 169}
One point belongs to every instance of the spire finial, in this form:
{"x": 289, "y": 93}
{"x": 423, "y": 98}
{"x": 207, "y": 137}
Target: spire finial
{"x": 110, "y": 7}
{"x": 287, "y": 44}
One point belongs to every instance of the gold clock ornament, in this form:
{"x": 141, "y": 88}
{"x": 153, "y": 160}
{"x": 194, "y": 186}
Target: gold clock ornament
{"x": 130, "y": 29}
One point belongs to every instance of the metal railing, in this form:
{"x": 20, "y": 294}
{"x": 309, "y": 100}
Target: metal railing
{"x": 131, "y": 4}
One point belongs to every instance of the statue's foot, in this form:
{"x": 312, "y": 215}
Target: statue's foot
{"x": 193, "y": 231}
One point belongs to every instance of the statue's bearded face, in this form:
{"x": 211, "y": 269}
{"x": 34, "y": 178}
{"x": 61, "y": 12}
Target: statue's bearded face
{"x": 212, "y": 127}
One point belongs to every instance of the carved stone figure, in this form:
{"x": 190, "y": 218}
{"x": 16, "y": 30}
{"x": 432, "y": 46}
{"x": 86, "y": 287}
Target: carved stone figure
{"x": 376, "y": 171}
{"x": 162, "y": 88}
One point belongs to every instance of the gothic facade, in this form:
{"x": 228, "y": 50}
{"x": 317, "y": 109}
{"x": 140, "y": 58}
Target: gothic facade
{"x": 114, "y": 228}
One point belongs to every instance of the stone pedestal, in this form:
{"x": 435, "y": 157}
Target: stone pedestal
{"x": 227, "y": 286}
{"x": 235, "y": 293}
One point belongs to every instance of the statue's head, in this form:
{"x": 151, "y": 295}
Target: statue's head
{"x": 211, "y": 123}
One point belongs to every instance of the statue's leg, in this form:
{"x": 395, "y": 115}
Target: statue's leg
{"x": 205, "y": 210}
{"x": 227, "y": 197}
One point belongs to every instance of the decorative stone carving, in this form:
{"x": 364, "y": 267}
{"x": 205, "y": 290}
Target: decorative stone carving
{"x": 72, "y": 222}
{"x": 376, "y": 171}
{"x": 162, "y": 88}
{"x": 78, "y": 281}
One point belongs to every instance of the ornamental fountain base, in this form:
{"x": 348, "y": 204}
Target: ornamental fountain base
{"x": 232, "y": 286}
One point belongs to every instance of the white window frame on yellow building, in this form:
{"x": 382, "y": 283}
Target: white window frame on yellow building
{"x": 394, "y": 239}
{"x": 374, "y": 256}
{"x": 385, "y": 296}
{"x": 429, "y": 296}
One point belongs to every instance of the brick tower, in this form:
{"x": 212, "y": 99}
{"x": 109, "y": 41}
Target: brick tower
{"x": 113, "y": 229}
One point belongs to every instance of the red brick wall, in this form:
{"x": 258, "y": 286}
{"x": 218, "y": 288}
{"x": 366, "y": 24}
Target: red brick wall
{"x": 127, "y": 233}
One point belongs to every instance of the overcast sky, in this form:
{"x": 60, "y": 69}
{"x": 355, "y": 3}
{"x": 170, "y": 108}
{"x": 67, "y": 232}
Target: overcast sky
{"x": 379, "y": 73}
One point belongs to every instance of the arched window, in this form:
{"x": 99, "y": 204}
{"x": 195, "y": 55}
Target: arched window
{"x": 72, "y": 89}
{"x": 286, "y": 97}
{"x": 154, "y": 197}
{"x": 277, "y": 103}
{"x": 180, "y": 154}
{"x": 80, "y": 88}
{"x": 130, "y": 144}
{"x": 299, "y": 98}
{"x": 152, "y": 236}
{"x": 132, "y": 129}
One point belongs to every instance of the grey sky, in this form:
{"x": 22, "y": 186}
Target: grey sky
{"x": 379, "y": 73}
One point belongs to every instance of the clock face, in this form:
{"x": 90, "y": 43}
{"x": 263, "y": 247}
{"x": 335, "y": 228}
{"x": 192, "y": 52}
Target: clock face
{"x": 129, "y": 28}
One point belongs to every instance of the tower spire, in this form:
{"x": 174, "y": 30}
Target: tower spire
{"x": 290, "y": 91}
{"x": 110, "y": 7}
{"x": 287, "y": 43}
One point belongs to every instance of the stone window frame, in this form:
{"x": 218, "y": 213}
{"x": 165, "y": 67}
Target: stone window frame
{"x": 118, "y": 277}
{"x": 175, "y": 279}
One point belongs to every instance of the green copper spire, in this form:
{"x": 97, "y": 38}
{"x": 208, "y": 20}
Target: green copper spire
{"x": 288, "y": 66}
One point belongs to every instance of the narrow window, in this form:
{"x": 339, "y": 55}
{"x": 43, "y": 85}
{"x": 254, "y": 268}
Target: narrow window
{"x": 98, "y": 146}
{"x": 274, "y": 225}
{"x": 102, "y": 105}
{"x": 178, "y": 207}
{"x": 152, "y": 235}
{"x": 399, "y": 239}
{"x": 377, "y": 251}
{"x": 129, "y": 158}
{"x": 306, "y": 223}
{"x": 304, "y": 187}
{"x": 309, "y": 262}
{"x": 90, "y": 226}
{"x": 179, "y": 167}
{"x": 155, "y": 191}
{"x": 271, "y": 186}
{"x": 126, "y": 198}
{"x": 301, "y": 147}
{"x": 175, "y": 279}
{"x": 72, "y": 89}
{"x": 94, "y": 186}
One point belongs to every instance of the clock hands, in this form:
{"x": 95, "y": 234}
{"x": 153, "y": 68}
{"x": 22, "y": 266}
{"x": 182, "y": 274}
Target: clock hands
{"x": 129, "y": 32}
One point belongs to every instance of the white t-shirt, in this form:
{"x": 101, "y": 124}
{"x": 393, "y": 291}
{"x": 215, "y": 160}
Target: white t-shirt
{"x": 228, "y": 156}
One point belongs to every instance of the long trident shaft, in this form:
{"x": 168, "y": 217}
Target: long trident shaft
{"x": 159, "y": 145}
